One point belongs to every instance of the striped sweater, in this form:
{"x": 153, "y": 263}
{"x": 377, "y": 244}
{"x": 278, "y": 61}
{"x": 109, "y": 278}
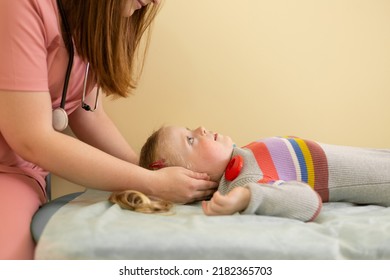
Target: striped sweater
{"x": 297, "y": 175}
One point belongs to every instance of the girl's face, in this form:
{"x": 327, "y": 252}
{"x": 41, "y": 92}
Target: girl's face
{"x": 133, "y": 5}
{"x": 202, "y": 150}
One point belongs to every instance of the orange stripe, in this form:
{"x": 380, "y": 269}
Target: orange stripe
{"x": 264, "y": 160}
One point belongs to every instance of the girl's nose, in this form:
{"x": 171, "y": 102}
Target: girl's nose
{"x": 201, "y": 130}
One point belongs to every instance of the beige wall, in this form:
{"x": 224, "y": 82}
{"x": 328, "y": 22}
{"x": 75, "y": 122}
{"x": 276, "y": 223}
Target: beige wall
{"x": 254, "y": 68}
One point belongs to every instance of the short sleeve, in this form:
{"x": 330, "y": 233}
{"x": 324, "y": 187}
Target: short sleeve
{"x": 23, "y": 46}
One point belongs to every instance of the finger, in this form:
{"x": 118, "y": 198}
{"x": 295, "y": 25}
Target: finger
{"x": 221, "y": 205}
{"x": 198, "y": 175}
{"x": 214, "y": 207}
{"x": 208, "y": 186}
{"x": 202, "y": 195}
{"x": 205, "y": 194}
{"x": 205, "y": 208}
{"x": 219, "y": 199}
{"x": 205, "y": 186}
{"x": 208, "y": 208}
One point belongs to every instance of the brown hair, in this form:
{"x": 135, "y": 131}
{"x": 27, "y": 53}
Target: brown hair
{"x": 109, "y": 41}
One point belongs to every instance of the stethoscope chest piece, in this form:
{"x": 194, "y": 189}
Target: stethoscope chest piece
{"x": 60, "y": 119}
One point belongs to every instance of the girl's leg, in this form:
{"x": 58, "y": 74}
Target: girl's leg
{"x": 359, "y": 175}
{"x": 20, "y": 198}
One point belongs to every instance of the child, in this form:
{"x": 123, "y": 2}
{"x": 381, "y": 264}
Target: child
{"x": 285, "y": 177}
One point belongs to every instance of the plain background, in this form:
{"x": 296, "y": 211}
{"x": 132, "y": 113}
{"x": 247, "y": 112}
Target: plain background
{"x": 254, "y": 68}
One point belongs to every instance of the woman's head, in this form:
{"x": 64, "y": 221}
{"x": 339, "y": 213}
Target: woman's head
{"x": 199, "y": 150}
{"x": 107, "y": 34}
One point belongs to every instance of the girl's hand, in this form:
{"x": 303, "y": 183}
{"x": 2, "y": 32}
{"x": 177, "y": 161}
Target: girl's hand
{"x": 234, "y": 201}
{"x": 180, "y": 185}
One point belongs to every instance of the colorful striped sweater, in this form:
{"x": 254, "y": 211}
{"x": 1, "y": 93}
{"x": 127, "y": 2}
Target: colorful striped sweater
{"x": 291, "y": 159}
{"x": 297, "y": 175}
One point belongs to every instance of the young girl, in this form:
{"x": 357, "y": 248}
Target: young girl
{"x": 278, "y": 176}
{"x": 54, "y": 55}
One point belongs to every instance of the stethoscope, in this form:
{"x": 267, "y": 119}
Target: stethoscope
{"x": 60, "y": 117}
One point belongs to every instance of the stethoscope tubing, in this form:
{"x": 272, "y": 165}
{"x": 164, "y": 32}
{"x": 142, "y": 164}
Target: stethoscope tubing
{"x": 71, "y": 53}
{"x": 60, "y": 117}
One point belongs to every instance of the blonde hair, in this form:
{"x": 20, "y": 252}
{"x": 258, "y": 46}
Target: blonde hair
{"x": 139, "y": 202}
{"x": 157, "y": 148}
{"x": 151, "y": 152}
{"x": 109, "y": 41}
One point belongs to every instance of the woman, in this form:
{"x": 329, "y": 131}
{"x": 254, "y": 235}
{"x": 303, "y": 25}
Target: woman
{"x": 36, "y": 52}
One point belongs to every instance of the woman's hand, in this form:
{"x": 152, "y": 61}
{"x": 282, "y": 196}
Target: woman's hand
{"x": 234, "y": 201}
{"x": 180, "y": 185}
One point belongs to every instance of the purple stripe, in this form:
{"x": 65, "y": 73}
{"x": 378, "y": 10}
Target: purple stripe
{"x": 282, "y": 158}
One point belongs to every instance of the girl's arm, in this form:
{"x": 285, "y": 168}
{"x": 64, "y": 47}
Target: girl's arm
{"x": 26, "y": 125}
{"x": 291, "y": 199}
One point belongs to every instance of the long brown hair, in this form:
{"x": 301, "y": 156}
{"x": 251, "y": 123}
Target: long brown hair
{"x": 109, "y": 41}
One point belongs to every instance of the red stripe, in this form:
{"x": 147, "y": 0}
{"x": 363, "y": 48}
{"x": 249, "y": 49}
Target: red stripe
{"x": 264, "y": 160}
{"x": 320, "y": 170}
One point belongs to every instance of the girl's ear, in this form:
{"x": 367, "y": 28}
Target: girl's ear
{"x": 157, "y": 164}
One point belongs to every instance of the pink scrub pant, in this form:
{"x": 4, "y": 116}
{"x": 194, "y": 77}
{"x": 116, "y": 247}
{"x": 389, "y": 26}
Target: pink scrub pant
{"x": 20, "y": 198}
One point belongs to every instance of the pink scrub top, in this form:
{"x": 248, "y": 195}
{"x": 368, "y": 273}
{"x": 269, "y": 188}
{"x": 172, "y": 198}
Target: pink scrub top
{"x": 33, "y": 58}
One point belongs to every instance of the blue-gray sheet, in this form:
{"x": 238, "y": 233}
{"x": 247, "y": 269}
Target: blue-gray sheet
{"x": 89, "y": 227}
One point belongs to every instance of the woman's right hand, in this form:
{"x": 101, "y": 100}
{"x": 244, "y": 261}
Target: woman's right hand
{"x": 180, "y": 185}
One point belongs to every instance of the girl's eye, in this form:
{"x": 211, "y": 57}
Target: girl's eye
{"x": 190, "y": 140}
